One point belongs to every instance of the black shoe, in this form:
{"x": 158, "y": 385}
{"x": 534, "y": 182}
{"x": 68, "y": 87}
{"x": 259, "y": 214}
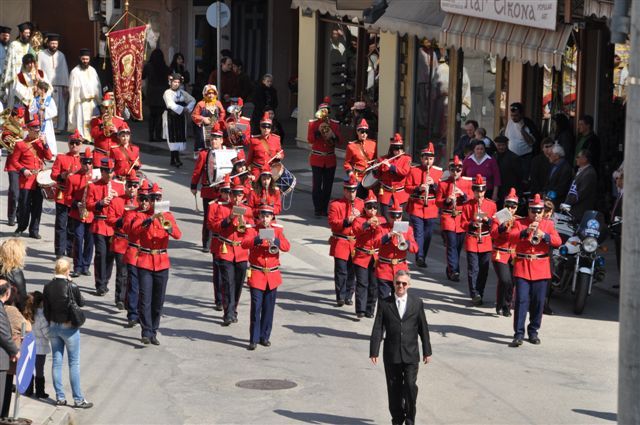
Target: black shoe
{"x": 205, "y": 249}
{"x": 318, "y": 214}
{"x": 131, "y": 324}
{"x": 420, "y": 263}
{"x": 218, "y": 307}
{"x": 18, "y": 232}
{"x": 369, "y": 315}
{"x": 348, "y": 302}
{"x": 61, "y": 402}
{"x": 251, "y": 347}
{"x": 517, "y": 342}
{"x": 120, "y": 305}
{"x": 100, "y": 292}
{"x": 145, "y": 340}
{"x": 476, "y": 300}
{"x": 58, "y": 257}
{"x": 455, "y": 276}
{"x": 506, "y": 312}
{"x": 360, "y": 315}
{"x": 265, "y": 343}
{"x": 339, "y": 303}
{"x": 86, "y": 273}
{"x": 42, "y": 395}
{"x": 11, "y": 222}
{"x": 534, "y": 340}
{"x": 35, "y": 236}
{"x": 547, "y": 310}
{"x": 498, "y": 311}
{"x": 226, "y": 322}
{"x": 234, "y": 320}
{"x": 74, "y": 274}
{"x": 154, "y": 340}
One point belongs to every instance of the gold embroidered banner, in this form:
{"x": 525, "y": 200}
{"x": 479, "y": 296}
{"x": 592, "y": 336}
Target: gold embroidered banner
{"x": 127, "y": 59}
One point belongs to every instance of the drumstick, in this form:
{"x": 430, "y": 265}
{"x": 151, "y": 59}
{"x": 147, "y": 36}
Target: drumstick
{"x": 231, "y": 177}
{"x": 133, "y": 165}
{"x": 275, "y": 156}
{"x": 195, "y": 196}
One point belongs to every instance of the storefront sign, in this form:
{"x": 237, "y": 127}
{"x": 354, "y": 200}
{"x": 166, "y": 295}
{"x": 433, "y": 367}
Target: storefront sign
{"x": 537, "y": 14}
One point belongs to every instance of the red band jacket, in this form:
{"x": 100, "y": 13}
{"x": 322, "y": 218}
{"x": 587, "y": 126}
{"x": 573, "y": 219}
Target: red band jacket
{"x": 264, "y": 266}
{"x": 74, "y": 194}
{"x": 357, "y": 157}
{"x": 261, "y": 150}
{"x": 29, "y": 156}
{"x": 416, "y": 205}
{"x": 451, "y": 220}
{"x": 96, "y": 195}
{"x": 229, "y": 236}
{"x": 116, "y": 213}
{"x": 502, "y": 248}
{"x": 366, "y": 236}
{"x": 63, "y": 167}
{"x": 343, "y": 240}
{"x": 257, "y": 198}
{"x": 154, "y": 240}
{"x": 390, "y": 258}
{"x": 323, "y": 153}
{"x": 201, "y": 176}
{"x": 101, "y": 143}
{"x": 392, "y": 179}
{"x": 531, "y": 262}
{"x": 478, "y": 238}
{"x": 125, "y": 159}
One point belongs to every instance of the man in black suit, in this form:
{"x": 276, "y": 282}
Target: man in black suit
{"x": 583, "y": 191}
{"x": 9, "y": 351}
{"x": 560, "y": 175}
{"x": 402, "y": 317}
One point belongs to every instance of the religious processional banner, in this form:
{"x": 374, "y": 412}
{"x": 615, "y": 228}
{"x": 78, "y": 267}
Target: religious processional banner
{"x": 127, "y": 59}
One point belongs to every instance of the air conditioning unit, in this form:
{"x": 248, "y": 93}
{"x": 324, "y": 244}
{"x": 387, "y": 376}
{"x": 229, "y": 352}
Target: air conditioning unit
{"x": 111, "y": 10}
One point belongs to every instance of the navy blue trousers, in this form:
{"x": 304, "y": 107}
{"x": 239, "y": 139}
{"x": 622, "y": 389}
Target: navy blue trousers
{"x": 422, "y": 232}
{"x": 530, "y": 296}
{"x": 206, "y": 234}
{"x": 133, "y": 293}
{"x": 30, "y": 210}
{"x": 385, "y": 288}
{"x": 477, "y": 272}
{"x": 366, "y": 287}
{"x": 453, "y": 243}
{"x": 232, "y": 275}
{"x": 345, "y": 279}
{"x": 82, "y": 246}
{"x": 121, "y": 278}
{"x": 153, "y": 286}
{"x": 322, "y": 183}
{"x": 504, "y": 290}
{"x": 63, "y": 240}
{"x": 217, "y": 282}
{"x": 13, "y": 195}
{"x": 103, "y": 261}
{"x": 263, "y": 304}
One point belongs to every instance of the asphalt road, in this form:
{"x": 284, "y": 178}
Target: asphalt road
{"x": 191, "y": 378}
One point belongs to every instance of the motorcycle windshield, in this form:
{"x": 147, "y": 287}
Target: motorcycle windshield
{"x": 593, "y": 225}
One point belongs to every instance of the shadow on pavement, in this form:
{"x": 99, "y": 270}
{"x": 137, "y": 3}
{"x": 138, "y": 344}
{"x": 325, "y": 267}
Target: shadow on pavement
{"x": 609, "y": 416}
{"x": 204, "y": 336}
{"x": 322, "y": 418}
{"x": 312, "y": 309}
{"x": 495, "y": 338}
{"x": 321, "y": 331}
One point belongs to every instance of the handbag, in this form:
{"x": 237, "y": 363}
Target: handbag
{"x": 76, "y": 315}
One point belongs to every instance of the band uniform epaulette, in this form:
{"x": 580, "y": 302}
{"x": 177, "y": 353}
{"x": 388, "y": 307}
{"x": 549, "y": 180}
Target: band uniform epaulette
{"x": 466, "y": 178}
{"x": 256, "y": 135}
{"x": 437, "y": 168}
{"x": 353, "y": 141}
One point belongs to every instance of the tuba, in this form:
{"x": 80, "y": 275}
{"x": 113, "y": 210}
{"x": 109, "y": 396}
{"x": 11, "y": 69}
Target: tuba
{"x": 11, "y": 129}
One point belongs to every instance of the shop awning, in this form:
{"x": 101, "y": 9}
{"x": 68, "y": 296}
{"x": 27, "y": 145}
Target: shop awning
{"x": 515, "y": 42}
{"x": 325, "y": 6}
{"x": 598, "y": 8}
{"x": 414, "y": 17}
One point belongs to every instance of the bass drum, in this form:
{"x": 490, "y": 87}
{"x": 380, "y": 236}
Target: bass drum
{"x": 219, "y": 164}
{"x": 286, "y": 181}
{"x": 47, "y": 184}
{"x": 369, "y": 180}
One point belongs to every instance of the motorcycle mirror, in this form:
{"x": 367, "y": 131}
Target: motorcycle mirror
{"x": 565, "y": 207}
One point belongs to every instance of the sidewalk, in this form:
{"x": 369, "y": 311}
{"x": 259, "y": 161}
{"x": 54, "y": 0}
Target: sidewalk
{"x": 42, "y": 412}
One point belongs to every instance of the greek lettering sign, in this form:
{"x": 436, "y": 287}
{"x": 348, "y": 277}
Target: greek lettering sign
{"x": 537, "y": 14}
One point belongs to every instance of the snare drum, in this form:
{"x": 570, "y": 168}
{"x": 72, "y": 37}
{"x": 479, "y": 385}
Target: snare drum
{"x": 369, "y": 180}
{"x": 286, "y": 182}
{"x": 47, "y": 184}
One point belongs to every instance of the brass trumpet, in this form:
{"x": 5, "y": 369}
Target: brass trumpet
{"x": 163, "y": 220}
{"x": 403, "y": 245}
{"x": 273, "y": 248}
{"x": 534, "y": 239}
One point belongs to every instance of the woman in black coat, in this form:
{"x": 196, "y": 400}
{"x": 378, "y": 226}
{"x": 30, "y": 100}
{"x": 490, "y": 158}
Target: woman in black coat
{"x": 156, "y": 72}
{"x": 265, "y": 95}
{"x": 12, "y": 255}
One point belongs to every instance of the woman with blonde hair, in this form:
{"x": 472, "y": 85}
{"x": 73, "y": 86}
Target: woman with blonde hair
{"x": 12, "y": 254}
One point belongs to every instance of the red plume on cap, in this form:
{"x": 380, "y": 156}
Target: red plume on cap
{"x": 133, "y": 176}
{"x": 156, "y": 190}
{"x": 124, "y": 127}
{"x": 237, "y": 184}
{"x": 479, "y": 180}
{"x": 226, "y": 182}
{"x": 216, "y": 130}
{"x": 536, "y": 201}
{"x": 455, "y": 161}
{"x": 266, "y": 169}
{"x": 371, "y": 197}
{"x": 512, "y": 196}
{"x": 326, "y": 99}
{"x": 34, "y": 121}
{"x": 87, "y": 152}
{"x": 240, "y": 102}
{"x": 144, "y": 187}
{"x": 396, "y": 140}
{"x": 397, "y": 207}
{"x": 325, "y": 103}
{"x": 76, "y": 136}
{"x": 428, "y": 150}
{"x": 239, "y": 158}
{"x": 351, "y": 182}
{"x": 265, "y": 119}
{"x": 363, "y": 124}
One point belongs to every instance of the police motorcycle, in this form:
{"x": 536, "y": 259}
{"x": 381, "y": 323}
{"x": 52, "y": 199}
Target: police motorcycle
{"x": 576, "y": 264}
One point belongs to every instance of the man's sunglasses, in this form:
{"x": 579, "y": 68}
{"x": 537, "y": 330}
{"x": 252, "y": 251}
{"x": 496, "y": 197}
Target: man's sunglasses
{"x": 371, "y": 207}
{"x": 350, "y": 189}
{"x": 363, "y": 130}
{"x": 265, "y": 126}
{"x": 225, "y": 191}
{"x": 398, "y": 283}
{"x": 133, "y": 184}
{"x": 510, "y": 205}
{"x": 514, "y": 109}
{"x": 75, "y": 142}
{"x": 143, "y": 198}
{"x": 155, "y": 197}
{"x": 536, "y": 210}
{"x": 395, "y": 214}
{"x": 455, "y": 168}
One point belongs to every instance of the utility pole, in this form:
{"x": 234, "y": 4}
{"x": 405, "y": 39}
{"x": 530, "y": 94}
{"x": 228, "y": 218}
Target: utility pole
{"x": 629, "y": 356}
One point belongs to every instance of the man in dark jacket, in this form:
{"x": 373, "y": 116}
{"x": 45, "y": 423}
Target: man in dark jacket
{"x": 510, "y": 168}
{"x": 560, "y": 175}
{"x": 588, "y": 140}
{"x": 9, "y": 351}
{"x": 540, "y": 167}
{"x": 402, "y": 318}
{"x": 583, "y": 192}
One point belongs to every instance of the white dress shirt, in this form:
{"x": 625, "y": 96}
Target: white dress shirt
{"x": 401, "y": 303}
